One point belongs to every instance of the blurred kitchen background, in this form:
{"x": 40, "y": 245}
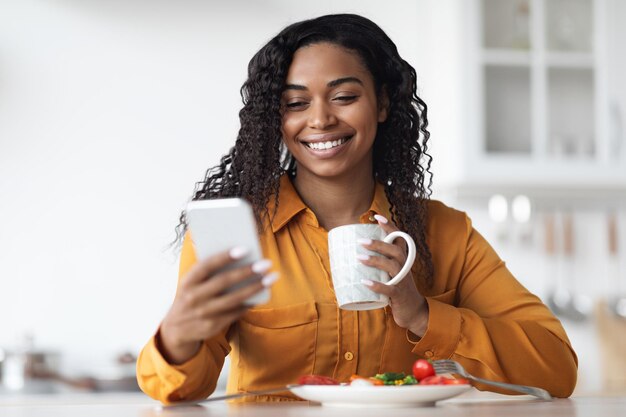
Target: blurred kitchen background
{"x": 110, "y": 111}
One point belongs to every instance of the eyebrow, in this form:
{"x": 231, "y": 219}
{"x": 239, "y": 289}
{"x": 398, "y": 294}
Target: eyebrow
{"x": 333, "y": 83}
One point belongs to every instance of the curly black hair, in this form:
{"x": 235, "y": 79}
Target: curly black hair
{"x": 253, "y": 167}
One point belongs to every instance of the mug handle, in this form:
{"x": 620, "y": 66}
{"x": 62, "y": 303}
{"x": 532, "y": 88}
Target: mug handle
{"x": 410, "y": 258}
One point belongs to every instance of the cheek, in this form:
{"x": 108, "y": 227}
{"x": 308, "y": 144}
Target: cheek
{"x": 289, "y": 127}
{"x": 366, "y": 119}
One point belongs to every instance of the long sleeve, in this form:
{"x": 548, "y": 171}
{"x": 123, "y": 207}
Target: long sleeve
{"x": 487, "y": 321}
{"x": 196, "y": 378}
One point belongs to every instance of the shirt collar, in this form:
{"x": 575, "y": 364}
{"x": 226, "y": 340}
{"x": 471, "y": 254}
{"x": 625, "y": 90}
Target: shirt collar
{"x": 290, "y": 204}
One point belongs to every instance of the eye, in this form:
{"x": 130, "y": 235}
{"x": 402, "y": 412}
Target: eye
{"x": 346, "y": 98}
{"x": 296, "y": 104}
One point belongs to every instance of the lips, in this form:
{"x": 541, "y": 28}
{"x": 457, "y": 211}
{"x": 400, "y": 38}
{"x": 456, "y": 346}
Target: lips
{"x": 320, "y": 146}
{"x": 327, "y": 141}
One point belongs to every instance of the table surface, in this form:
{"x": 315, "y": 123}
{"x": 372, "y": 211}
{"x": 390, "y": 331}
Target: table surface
{"x": 472, "y": 403}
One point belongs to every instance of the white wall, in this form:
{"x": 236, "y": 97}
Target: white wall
{"x": 110, "y": 111}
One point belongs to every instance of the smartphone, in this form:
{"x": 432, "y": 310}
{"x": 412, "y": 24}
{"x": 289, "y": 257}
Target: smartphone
{"x": 218, "y": 225}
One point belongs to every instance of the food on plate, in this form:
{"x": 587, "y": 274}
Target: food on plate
{"x": 423, "y": 374}
{"x": 443, "y": 380}
{"x": 423, "y": 369}
{"x": 396, "y": 378}
{"x": 362, "y": 382}
{"x": 388, "y": 378}
{"x": 456, "y": 381}
{"x": 317, "y": 380}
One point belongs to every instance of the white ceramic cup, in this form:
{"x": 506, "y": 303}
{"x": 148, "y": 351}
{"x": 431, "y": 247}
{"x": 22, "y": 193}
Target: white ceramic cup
{"x": 347, "y": 271}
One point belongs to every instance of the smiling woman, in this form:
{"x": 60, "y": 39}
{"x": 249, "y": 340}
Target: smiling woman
{"x": 333, "y": 133}
{"x": 331, "y": 113}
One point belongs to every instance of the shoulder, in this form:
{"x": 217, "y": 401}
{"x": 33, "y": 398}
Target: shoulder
{"x": 442, "y": 218}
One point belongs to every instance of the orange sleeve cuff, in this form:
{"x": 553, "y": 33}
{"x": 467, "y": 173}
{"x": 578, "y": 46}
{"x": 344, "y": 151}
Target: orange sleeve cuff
{"x": 172, "y": 379}
{"x": 442, "y": 333}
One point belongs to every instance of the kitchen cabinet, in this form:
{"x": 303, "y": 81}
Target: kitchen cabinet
{"x": 544, "y": 104}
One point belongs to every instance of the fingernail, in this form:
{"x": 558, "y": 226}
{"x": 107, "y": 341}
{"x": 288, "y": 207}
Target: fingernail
{"x": 367, "y": 282}
{"x": 269, "y": 279}
{"x": 364, "y": 241}
{"x": 362, "y": 256}
{"x": 381, "y": 219}
{"x": 238, "y": 252}
{"x": 261, "y": 266}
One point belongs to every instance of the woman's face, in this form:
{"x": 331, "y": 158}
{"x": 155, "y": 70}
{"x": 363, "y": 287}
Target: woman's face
{"x": 330, "y": 112}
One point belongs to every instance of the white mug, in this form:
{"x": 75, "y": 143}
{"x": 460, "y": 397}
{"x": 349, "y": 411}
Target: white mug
{"x": 347, "y": 271}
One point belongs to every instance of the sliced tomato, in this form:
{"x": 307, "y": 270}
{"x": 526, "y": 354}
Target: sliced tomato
{"x": 433, "y": 380}
{"x": 423, "y": 369}
{"x": 456, "y": 381}
{"x": 376, "y": 381}
{"x": 317, "y": 380}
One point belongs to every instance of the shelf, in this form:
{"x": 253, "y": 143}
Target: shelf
{"x": 511, "y": 57}
{"x": 570, "y": 59}
{"x": 543, "y": 196}
{"x": 506, "y": 57}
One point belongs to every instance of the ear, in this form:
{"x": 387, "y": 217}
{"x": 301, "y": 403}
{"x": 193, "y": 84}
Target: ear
{"x": 383, "y": 105}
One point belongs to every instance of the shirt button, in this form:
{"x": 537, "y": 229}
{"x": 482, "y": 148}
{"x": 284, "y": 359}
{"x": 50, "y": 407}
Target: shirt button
{"x": 349, "y": 356}
{"x": 429, "y": 353}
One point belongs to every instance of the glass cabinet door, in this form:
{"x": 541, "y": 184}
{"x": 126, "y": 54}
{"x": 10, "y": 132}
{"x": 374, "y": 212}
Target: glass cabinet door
{"x": 507, "y": 109}
{"x": 506, "y": 24}
{"x": 538, "y": 78}
{"x": 569, "y": 25}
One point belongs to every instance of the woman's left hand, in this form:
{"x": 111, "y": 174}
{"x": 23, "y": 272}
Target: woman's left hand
{"x": 408, "y": 306}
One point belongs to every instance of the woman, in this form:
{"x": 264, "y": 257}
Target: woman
{"x": 333, "y": 133}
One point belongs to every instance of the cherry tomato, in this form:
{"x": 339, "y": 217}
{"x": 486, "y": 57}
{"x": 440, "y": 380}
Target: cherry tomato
{"x": 317, "y": 380}
{"x": 422, "y": 369}
{"x": 433, "y": 380}
{"x": 456, "y": 381}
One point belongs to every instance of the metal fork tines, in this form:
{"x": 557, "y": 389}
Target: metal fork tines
{"x": 452, "y": 367}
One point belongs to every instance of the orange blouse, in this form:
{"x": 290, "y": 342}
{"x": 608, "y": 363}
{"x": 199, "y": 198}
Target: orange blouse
{"x": 480, "y": 315}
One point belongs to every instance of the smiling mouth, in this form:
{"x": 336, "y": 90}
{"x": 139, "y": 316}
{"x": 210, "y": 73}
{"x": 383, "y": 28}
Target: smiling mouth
{"x": 320, "y": 146}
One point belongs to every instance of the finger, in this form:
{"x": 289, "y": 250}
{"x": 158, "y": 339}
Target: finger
{"x": 236, "y": 298}
{"x": 225, "y": 319}
{"x": 389, "y": 227}
{"x": 386, "y": 249}
{"x": 224, "y": 280}
{"x": 208, "y": 266}
{"x": 390, "y": 266}
{"x": 385, "y": 224}
{"x": 380, "y": 288}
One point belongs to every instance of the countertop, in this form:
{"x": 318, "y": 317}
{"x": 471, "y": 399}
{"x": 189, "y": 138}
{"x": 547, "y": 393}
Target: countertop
{"x": 472, "y": 403}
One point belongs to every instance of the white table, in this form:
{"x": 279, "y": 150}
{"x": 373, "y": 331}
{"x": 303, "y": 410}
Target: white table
{"x": 473, "y": 403}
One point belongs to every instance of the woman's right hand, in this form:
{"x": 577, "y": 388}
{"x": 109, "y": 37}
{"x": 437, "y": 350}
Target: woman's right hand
{"x": 202, "y": 307}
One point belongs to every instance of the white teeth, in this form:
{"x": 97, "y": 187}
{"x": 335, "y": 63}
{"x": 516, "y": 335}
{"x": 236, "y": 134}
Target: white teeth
{"x": 327, "y": 145}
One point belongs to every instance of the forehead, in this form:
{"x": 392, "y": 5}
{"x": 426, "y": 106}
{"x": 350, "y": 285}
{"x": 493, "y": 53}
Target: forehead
{"x": 325, "y": 62}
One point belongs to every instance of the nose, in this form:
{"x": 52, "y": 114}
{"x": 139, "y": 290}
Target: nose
{"x": 321, "y": 115}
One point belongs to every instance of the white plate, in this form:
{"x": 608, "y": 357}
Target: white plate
{"x": 378, "y": 396}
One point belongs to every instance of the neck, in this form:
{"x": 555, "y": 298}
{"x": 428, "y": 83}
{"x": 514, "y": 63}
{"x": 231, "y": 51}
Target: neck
{"x": 336, "y": 201}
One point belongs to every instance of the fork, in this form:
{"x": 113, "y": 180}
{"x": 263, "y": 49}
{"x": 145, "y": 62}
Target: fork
{"x": 448, "y": 366}
{"x": 284, "y": 388}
